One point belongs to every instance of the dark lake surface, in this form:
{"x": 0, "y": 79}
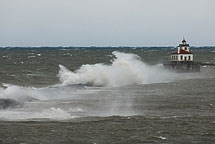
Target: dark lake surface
{"x": 104, "y": 95}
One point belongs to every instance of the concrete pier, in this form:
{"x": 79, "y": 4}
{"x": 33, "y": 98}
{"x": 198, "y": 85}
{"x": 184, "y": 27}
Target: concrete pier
{"x": 183, "y": 66}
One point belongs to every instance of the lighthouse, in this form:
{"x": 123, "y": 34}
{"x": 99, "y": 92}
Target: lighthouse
{"x": 182, "y": 59}
{"x": 183, "y": 53}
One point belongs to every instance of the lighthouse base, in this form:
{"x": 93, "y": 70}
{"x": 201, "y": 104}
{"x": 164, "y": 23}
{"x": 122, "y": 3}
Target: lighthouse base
{"x": 184, "y": 66}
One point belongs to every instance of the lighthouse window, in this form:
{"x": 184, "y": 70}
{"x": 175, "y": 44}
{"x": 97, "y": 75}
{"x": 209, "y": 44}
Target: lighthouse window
{"x": 181, "y": 57}
{"x": 173, "y": 57}
{"x": 189, "y": 57}
{"x": 185, "y": 48}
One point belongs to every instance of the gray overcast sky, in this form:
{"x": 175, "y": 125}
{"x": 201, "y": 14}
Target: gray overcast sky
{"x": 106, "y": 22}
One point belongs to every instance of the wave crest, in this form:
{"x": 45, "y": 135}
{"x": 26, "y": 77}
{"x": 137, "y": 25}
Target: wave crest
{"x": 125, "y": 69}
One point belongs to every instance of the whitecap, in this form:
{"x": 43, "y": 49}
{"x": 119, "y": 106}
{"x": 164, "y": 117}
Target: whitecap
{"x": 31, "y": 56}
{"x": 75, "y": 110}
{"x": 125, "y": 69}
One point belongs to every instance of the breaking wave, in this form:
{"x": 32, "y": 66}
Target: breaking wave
{"x": 125, "y": 69}
{"x": 72, "y": 98}
{"x": 28, "y": 94}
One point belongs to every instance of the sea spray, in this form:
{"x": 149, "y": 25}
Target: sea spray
{"x": 21, "y": 94}
{"x": 125, "y": 69}
{"x": 28, "y": 94}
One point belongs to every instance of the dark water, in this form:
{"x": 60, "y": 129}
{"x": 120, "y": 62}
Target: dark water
{"x": 98, "y": 95}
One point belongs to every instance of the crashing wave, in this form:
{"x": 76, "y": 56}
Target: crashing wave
{"x": 125, "y": 69}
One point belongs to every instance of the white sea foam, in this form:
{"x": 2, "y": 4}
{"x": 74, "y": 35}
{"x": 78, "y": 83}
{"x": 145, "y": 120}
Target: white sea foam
{"x": 24, "y": 94}
{"x": 20, "y": 94}
{"x": 50, "y": 113}
{"x": 53, "y": 113}
{"x": 75, "y": 110}
{"x": 126, "y": 69}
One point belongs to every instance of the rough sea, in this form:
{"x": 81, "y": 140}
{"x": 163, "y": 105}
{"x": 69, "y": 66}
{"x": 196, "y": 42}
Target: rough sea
{"x": 104, "y": 95}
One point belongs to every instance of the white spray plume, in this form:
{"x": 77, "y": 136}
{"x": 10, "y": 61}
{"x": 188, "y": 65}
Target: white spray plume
{"x": 126, "y": 69}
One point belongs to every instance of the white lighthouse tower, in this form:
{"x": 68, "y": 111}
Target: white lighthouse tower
{"x": 183, "y": 53}
{"x": 182, "y": 60}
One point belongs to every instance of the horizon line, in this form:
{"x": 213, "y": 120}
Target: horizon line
{"x": 46, "y": 46}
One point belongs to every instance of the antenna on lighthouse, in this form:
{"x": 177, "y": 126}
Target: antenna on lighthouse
{"x": 183, "y": 41}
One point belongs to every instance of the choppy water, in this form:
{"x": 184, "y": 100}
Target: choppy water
{"x": 104, "y": 95}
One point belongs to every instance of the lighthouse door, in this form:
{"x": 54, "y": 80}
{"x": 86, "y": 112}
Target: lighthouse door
{"x": 185, "y": 58}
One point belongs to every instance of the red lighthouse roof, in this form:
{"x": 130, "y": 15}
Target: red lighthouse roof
{"x": 182, "y": 52}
